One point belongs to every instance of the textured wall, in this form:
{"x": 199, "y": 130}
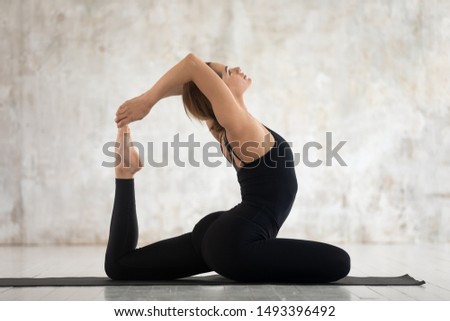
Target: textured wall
{"x": 375, "y": 74}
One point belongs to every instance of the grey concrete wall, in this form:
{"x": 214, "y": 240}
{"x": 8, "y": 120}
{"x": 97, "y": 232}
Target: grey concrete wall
{"x": 375, "y": 74}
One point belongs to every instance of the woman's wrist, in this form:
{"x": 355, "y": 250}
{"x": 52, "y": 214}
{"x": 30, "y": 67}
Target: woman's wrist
{"x": 149, "y": 99}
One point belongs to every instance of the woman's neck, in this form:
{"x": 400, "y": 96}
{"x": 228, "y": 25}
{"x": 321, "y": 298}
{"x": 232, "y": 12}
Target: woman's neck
{"x": 240, "y": 101}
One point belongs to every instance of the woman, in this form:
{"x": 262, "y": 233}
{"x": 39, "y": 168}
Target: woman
{"x": 239, "y": 243}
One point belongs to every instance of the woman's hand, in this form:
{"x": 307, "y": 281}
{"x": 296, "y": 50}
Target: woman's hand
{"x": 132, "y": 110}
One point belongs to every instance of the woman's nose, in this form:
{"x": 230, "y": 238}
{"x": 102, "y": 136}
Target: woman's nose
{"x": 236, "y": 70}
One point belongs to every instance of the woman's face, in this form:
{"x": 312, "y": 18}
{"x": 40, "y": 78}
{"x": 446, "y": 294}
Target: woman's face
{"x": 234, "y": 78}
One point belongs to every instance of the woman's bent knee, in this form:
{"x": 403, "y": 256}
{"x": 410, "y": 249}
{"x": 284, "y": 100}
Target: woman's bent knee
{"x": 113, "y": 270}
{"x": 342, "y": 265}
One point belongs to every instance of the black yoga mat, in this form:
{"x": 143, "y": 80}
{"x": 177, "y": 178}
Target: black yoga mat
{"x": 199, "y": 280}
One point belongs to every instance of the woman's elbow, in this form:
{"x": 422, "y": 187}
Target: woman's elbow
{"x": 192, "y": 59}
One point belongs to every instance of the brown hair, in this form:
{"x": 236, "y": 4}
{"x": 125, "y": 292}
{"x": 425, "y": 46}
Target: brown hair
{"x": 198, "y": 105}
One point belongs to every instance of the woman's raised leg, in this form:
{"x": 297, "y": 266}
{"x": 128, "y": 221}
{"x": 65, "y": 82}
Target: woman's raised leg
{"x": 168, "y": 259}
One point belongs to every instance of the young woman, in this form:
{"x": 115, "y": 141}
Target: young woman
{"x": 239, "y": 243}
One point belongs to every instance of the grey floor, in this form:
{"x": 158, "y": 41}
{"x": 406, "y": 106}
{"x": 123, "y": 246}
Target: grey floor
{"x": 430, "y": 262}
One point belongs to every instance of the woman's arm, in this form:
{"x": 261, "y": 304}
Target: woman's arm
{"x": 191, "y": 68}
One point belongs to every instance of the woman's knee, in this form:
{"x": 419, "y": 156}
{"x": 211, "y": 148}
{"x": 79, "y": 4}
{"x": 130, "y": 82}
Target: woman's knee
{"x": 346, "y": 262}
{"x": 113, "y": 270}
{"x": 342, "y": 264}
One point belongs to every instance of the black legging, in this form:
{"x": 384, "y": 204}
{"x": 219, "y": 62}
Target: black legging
{"x": 239, "y": 244}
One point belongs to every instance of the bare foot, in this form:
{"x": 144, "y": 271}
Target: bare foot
{"x": 127, "y": 158}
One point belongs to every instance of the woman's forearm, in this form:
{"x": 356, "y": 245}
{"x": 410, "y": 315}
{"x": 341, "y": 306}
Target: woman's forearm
{"x": 171, "y": 83}
{"x": 168, "y": 85}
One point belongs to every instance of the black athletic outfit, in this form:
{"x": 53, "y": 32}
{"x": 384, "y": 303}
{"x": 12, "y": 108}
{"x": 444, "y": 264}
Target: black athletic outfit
{"x": 239, "y": 244}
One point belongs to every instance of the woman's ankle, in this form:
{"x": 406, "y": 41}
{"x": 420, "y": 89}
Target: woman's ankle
{"x": 123, "y": 175}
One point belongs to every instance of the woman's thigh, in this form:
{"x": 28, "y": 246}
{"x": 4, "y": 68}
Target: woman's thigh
{"x": 239, "y": 245}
